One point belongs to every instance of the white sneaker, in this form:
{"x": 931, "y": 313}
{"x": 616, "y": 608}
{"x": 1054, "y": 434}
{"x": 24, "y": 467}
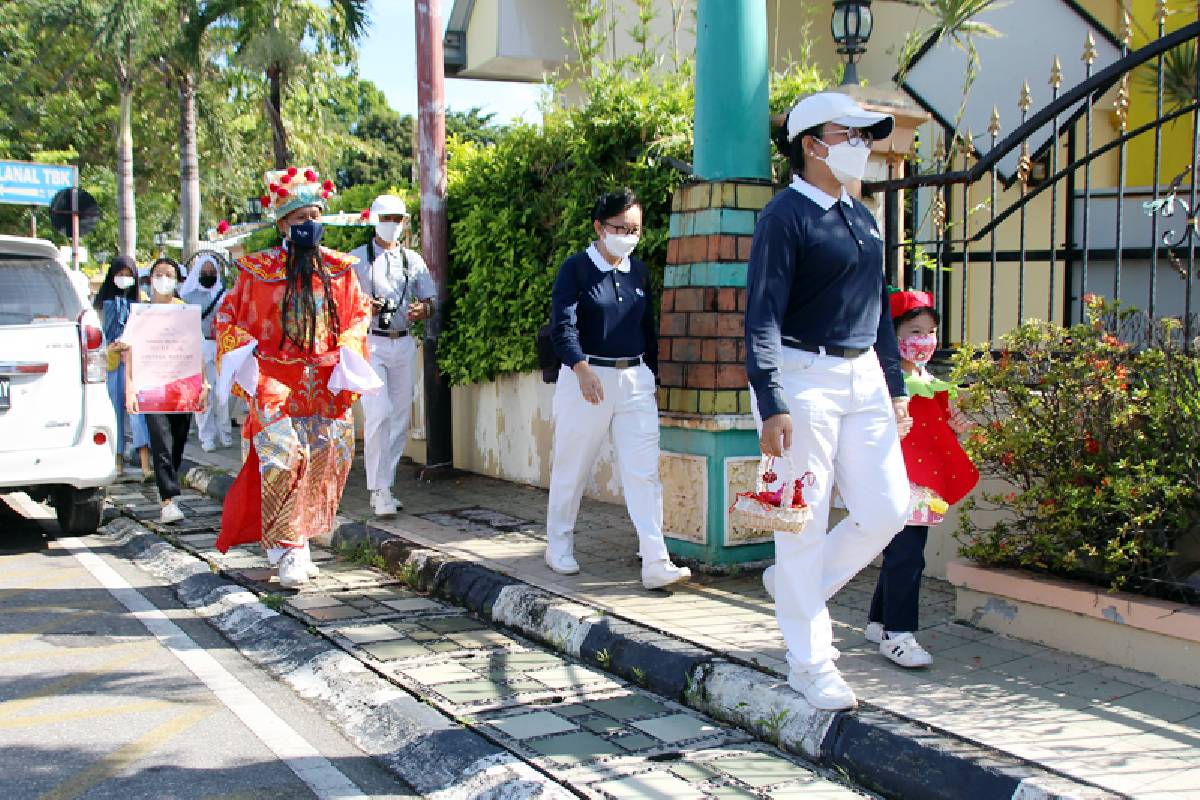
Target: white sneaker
{"x": 292, "y": 569}
{"x": 170, "y": 513}
{"x": 769, "y": 581}
{"x": 226, "y": 441}
{"x": 826, "y": 690}
{"x": 310, "y": 568}
{"x": 562, "y": 563}
{"x": 659, "y": 574}
{"x": 208, "y": 447}
{"x": 383, "y": 504}
{"x": 874, "y": 632}
{"x": 905, "y": 650}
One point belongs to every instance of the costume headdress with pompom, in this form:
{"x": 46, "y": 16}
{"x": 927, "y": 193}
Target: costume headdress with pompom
{"x": 292, "y": 188}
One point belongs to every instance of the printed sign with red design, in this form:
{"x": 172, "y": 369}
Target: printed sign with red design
{"x": 164, "y": 372}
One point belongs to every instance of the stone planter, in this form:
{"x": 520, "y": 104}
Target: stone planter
{"x": 1127, "y": 630}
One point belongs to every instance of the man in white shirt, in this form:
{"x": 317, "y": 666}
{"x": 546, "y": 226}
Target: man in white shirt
{"x": 402, "y": 291}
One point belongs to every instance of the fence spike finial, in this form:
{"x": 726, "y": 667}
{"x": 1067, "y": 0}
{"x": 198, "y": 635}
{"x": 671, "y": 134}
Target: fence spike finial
{"x": 939, "y": 151}
{"x": 1056, "y": 73}
{"x": 939, "y": 213}
{"x": 1122, "y": 105}
{"x": 1161, "y": 13}
{"x": 994, "y": 123}
{"x": 1026, "y": 101}
{"x": 1089, "y": 50}
{"x": 1024, "y": 164}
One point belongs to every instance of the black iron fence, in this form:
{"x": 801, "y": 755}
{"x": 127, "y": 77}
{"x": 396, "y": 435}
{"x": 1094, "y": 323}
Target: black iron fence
{"x": 997, "y": 249}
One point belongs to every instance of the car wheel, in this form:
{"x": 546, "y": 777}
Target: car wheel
{"x": 78, "y": 510}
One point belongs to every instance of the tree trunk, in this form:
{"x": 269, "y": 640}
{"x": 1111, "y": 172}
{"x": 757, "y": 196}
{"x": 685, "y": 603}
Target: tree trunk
{"x": 189, "y": 167}
{"x": 275, "y": 115}
{"x": 126, "y": 209}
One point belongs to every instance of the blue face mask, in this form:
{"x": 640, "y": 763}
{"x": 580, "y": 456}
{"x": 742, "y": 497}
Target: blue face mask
{"x": 307, "y": 233}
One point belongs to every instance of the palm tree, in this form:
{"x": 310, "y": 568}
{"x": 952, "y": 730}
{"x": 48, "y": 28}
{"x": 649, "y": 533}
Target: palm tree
{"x": 126, "y": 27}
{"x": 272, "y": 38}
{"x": 185, "y": 63}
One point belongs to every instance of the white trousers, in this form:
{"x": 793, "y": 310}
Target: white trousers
{"x": 630, "y": 412}
{"x": 844, "y": 433}
{"x": 213, "y": 422}
{"x": 387, "y": 414}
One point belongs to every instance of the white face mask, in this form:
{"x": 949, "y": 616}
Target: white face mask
{"x": 123, "y": 282}
{"x": 847, "y": 162}
{"x": 163, "y": 284}
{"x": 387, "y": 231}
{"x": 620, "y": 244}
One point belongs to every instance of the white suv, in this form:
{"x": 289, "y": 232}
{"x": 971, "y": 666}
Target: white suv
{"x": 57, "y": 425}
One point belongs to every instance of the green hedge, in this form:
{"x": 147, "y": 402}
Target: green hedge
{"x": 519, "y": 207}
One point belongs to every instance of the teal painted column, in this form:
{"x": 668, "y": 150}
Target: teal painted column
{"x": 732, "y": 110}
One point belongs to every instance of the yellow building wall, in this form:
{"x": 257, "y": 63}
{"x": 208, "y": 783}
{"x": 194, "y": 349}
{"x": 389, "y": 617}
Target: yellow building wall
{"x": 1176, "y": 136}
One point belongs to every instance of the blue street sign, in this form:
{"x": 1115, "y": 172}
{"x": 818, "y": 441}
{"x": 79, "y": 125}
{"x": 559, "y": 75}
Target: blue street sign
{"x": 27, "y": 184}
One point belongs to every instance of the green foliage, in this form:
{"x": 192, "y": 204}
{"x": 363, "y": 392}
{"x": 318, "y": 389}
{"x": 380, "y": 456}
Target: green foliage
{"x": 518, "y": 208}
{"x": 1096, "y": 440}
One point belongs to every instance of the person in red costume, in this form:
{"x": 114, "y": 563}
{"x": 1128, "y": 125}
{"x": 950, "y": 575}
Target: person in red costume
{"x": 292, "y": 341}
{"x": 939, "y": 472}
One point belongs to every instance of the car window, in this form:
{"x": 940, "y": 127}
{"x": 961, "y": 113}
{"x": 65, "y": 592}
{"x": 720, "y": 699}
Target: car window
{"x": 36, "y": 290}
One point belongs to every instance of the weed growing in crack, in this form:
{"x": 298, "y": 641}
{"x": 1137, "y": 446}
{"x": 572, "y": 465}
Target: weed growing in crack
{"x": 272, "y": 601}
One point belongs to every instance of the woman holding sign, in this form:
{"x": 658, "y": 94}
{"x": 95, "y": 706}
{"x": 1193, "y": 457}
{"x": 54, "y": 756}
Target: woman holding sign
{"x": 166, "y": 409}
{"x": 291, "y": 339}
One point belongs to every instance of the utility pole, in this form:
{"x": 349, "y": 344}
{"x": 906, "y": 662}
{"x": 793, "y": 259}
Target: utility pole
{"x": 431, "y": 156}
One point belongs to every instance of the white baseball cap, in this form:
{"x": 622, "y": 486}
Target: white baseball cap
{"x": 838, "y": 108}
{"x": 387, "y": 204}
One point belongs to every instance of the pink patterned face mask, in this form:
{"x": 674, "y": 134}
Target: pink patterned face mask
{"x": 918, "y": 349}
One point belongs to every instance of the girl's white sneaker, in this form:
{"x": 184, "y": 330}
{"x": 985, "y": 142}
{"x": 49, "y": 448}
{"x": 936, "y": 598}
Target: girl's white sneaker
{"x": 905, "y": 650}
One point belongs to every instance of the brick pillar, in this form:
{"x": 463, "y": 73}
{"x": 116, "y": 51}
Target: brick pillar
{"x": 708, "y": 435}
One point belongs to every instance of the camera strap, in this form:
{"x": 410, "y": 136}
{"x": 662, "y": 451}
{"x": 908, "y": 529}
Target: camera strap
{"x": 404, "y": 263}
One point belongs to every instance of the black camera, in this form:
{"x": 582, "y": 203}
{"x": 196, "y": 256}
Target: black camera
{"x": 387, "y": 311}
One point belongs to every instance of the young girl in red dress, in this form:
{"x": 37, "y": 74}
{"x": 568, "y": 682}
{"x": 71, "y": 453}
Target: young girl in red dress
{"x": 939, "y": 472}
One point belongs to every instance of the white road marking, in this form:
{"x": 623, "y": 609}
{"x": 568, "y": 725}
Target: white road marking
{"x": 325, "y": 780}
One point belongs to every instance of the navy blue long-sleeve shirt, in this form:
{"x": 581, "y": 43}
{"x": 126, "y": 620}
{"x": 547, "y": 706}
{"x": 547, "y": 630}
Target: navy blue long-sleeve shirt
{"x": 816, "y": 276}
{"x": 599, "y": 310}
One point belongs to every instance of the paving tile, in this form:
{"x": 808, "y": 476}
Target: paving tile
{"x": 481, "y": 639}
{"x": 761, "y": 769}
{"x": 333, "y": 613}
{"x": 487, "y": 691}
{"x": 677, "y": 728}
{"x": 635, "y": 742}
{"x": 527, "y": 726}
{"x": 395, "y": 650}
{"x": 571, "y": 677}
{"x": 415, "y": 604}
{"x": 307, "y": 602}
{"x": 453, "y": 624}
{"x": 575, "y": 748}
{"x": 656, "y": 785}
{"x": 439, "y": 674}
{"x": 979, "y": 654}
{"x": 1150, "y": 705}
{"x": 1092, "y": 686}
{"x": 629, "y": 707}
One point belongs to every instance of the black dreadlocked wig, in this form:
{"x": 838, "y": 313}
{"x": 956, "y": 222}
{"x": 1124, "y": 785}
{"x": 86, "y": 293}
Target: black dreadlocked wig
{"x": 299, "y": 306}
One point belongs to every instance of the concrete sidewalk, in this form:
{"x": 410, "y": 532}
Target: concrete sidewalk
{"x": 1098, "y": 725}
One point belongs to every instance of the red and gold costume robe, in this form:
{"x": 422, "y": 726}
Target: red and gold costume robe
{"x": 301, "y": 433}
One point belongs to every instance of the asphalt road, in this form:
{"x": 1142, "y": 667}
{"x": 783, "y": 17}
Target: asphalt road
{"x": 109, "y": 689}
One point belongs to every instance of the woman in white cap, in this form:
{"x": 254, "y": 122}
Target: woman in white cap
{"x": 205, "y": 288}
{"x": 402, "y": 291}
{"x": 602, "y": 326}
{"x": 824, "y": 367}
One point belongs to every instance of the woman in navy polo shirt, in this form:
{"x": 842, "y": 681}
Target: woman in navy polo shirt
{"x": 602, "y": 326}
{"x": 823, "y": 364}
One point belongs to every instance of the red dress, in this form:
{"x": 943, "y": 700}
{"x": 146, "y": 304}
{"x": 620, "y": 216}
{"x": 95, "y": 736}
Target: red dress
{"x": 933, "y": 455}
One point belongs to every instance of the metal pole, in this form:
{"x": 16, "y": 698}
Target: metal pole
{"x": 74, "y": 228}
{"x": 33, "y": 222}
{"x": 431, "y": 150}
